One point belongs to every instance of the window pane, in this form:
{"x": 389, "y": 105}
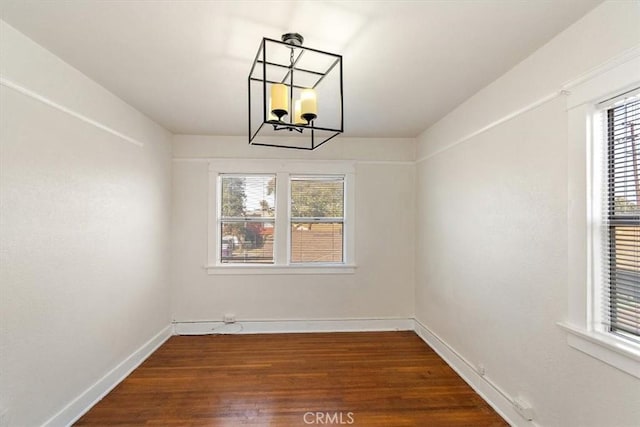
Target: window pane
{"x": 247, "y": 242}
{"x": 624, "y": 288}
{"x": 316, "y": 242}
{"x": 248, "y": 196}
{"x": 623, "y": 214}
{"x": 317, "y": 197}
{"x": 625, "y": 247}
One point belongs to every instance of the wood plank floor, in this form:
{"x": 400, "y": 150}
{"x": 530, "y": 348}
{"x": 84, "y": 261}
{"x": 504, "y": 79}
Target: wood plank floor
{"x": 389, "y": 379}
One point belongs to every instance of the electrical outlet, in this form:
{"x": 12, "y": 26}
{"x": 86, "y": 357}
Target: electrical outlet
{"x": 482, "y": 371}
{"x": 229, "y": 318}
{"x": 523, "y": 408}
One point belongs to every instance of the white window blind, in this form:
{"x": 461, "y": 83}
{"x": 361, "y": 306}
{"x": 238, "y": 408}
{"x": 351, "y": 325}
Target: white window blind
{"x": 621, "y": 299}
{"x": 317, "y": 219}
{"x": 247, "y": 218}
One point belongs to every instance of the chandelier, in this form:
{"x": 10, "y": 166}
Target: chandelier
{"x": 295, "y": 95}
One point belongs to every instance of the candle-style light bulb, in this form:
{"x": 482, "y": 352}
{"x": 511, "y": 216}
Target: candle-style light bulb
{"x": 309, "y": 105}
{"x": 279, "y": 100}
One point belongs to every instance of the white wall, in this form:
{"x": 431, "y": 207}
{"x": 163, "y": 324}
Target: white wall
{"x": 491, "y": 258}
{"x": 382, "y": 286}
{"x": 84, "y": 225}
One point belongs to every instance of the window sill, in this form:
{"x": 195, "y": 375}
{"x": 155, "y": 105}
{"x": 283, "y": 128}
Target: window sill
{"x": 281, "y": 269}
{"x": 609, "y": 349}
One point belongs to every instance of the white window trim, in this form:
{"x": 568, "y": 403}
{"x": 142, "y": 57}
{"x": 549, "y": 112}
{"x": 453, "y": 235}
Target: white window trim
{"x": 282, "y": 169}
{"x": 584, "y": 218}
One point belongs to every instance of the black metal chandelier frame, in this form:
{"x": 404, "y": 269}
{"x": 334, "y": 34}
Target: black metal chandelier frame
{"x": 293, "y": 41}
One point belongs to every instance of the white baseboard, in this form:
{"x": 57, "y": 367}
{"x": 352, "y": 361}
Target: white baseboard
{"x": 488, "y": 390}
{"x": 292, "y": 326}
{"x": 81, "y": 404}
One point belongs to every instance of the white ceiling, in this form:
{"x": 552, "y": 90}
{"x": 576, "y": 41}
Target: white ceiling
{"x": 185, "y": 63}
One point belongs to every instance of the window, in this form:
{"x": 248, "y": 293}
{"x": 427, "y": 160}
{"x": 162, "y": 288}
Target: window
{"x": 603, "y": 228}
{"x": 317, "y": 218}
{"x": 621, "y": 290}
{"x": 277, "y": 217}
{"x": 247, "y": 218}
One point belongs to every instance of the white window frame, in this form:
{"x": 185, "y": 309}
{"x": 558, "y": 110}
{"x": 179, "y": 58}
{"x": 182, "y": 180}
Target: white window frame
{"x": 283, "y": 169}
{"x": 585, "y": 187}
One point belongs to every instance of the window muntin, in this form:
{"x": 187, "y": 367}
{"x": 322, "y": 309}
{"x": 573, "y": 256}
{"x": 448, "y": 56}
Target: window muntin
{"x": 621, "y": 296}
{"x": 247, "y": 218}
{"x": 317, "y": 212}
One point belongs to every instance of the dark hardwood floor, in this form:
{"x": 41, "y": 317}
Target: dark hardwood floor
{"x": 389, "y": 379}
